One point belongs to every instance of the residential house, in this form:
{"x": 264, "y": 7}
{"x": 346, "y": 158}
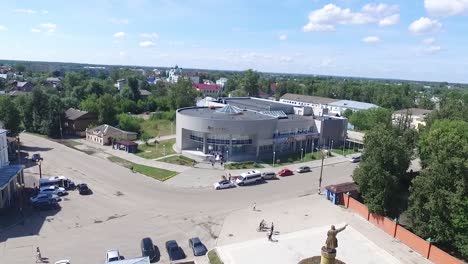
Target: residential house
{"x": 416, "y": 117}
{"x": 76, "y": 122}
{"x": 222, "y": 82}
{"x": 120, "y": 84}
{"x": 53, "y": 81}
{"x": 144, "y": 93}
{"x": 18, "y": 76}
{"x": 107, "y": 135}
{"x": 11, "y": 177}
{"x": 4, "y": 76}
{"x": 206, "y": 81}
{"x": 211, "y": 90}
{"x": 20, "y": 86}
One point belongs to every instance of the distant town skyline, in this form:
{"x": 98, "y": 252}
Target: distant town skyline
{"x": 414, "y": 40}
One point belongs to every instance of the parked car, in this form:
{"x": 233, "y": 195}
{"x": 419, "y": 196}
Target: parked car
{"x": 355, "y": 159}
{"x": 224, "y": 185}
{"x": 46, "y": 205}
{"x": 148, "y": 249}
{"x": 83, "y": 189}
{"x": 197, "y": 246}
{"x": 112, "y": 255}
{"x": 285, "y": 172}
{"x": 36, "y": 157}
{"x": 268, "y": 175}
{"x": 53, "y": 190}
{"x": 303, "y": 169}
{"x": 174, "y": 251}
{"x": 249, "y": 177}
{"x": 44, "y": 196}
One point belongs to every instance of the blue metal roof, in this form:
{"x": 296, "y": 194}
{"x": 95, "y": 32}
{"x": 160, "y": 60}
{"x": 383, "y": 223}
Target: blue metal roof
{"x": 8, "y": 172}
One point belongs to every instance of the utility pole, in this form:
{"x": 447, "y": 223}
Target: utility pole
{"x": 321, "y": 173}
{"x": 40, "y": 169}
{"x": 19, "y": 152}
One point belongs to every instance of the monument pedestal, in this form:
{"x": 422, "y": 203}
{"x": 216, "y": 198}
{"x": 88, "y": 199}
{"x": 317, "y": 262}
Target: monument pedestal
{"x": 327, "y": 256}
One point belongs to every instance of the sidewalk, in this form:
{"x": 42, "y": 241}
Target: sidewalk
{"x": 134, "y": 158}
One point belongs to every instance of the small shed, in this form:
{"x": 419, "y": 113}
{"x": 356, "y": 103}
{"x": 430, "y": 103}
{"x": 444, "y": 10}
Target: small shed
{"x": 335, "y": 192}
{"x": 126, "y": 145}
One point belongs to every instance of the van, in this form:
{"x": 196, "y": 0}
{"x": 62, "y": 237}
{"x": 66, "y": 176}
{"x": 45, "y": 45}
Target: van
{"x": 249, "y": 177}
{"x": 269, "y": 175}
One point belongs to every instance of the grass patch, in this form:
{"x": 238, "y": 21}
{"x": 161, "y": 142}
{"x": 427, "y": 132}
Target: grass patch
{"x": 70, "y": 143}
{"x": 155, "y": 173}
{"x": 158, "y": 127}
{"x": 156, "y": 150}
{"x": 346, "y": 151}
{"x": 213, "y": 257}
{"x": 243, "y": 165}
{"x": 179, "y": 160}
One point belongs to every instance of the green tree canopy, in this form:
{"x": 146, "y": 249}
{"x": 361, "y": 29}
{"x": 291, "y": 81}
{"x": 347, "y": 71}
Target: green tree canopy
{"x": 385, "y": 161}
{"x": 249, "y": 82}
{"x": 438, "y": 204}
{"x": 9, "y": 115}
{"x": 367, "y": 119}
{"x": 107, "y": 111}
{"x": 182, "y": 94}
{"x": 129, "y": 123}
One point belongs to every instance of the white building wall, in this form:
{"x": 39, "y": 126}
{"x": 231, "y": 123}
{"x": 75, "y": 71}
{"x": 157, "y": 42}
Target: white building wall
{"x": 3, "y": 148}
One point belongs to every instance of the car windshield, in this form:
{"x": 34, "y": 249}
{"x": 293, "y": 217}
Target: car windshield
{"x": 240, "y": 178}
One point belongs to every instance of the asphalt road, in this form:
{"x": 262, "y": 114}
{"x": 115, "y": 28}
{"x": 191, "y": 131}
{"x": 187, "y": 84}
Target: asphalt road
{"x": 126, "y": 206}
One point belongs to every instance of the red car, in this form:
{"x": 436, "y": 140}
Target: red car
{"x": 285, "y": 172}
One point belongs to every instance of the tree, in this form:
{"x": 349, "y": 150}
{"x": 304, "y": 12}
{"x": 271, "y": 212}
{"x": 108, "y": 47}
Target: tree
{"x": 25, "y": 106}
{"x": 134, "y": 91}
{"x": 20, "y": 67}
{"x": 145, "y": 137}
{"x": 40, "y": 109}
{"x": 249, "y": 83}
{"x": 182, "y": 94}
{"x": 107, "y": 110}
{"x": 51, "y": 125}
{"x": 129, "y": 123}
{"x": 348, "y": 113}
{"x": 367, "y": 119}
{"x": 438, "y": 203}
{"x": 382, "y": 171}
{"x": 90, "y": 104}
{"x": 9, "y": 115}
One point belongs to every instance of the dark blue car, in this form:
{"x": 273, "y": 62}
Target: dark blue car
{"x": 197, "y": 246}
{"x": 174, "y": 251}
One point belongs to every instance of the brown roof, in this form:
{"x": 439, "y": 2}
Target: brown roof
{"x": 342, "y": 187}
{"x": 413, "y": 111}
{"x": 73, "y": 114}
{"x": 308, "y": 99}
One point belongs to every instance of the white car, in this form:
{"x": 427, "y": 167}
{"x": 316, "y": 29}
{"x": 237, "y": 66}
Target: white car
{"x": 224, "y": 185}
{"x": 112, "y": 255}
{"x": 53, "y": 190}
{"x": 44, "y": 196}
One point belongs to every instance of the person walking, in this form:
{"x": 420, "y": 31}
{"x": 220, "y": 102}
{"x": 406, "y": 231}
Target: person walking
{"x": 38, "y": 256}
{"x": 254, "y": 206}
{"x": 272, "y": 227}
{"x": 270, "y": 235}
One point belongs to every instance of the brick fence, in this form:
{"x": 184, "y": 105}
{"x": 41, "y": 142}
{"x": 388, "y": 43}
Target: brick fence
{"x": 423, "y": 247}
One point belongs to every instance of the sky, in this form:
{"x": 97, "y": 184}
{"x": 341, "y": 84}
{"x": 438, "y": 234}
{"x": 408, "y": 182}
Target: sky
{"x": 399, "y": 39}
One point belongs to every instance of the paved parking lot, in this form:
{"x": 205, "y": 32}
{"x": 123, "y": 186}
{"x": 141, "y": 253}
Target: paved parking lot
{"x": 126, "y": 206}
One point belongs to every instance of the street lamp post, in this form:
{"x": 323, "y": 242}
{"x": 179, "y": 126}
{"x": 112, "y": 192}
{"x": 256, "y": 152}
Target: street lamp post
{"x": 321, "y": 172}
{"x": 40, "y": 169}
{"x": 274, "y": 155}
{"x": 302, "y": 150}
{"x": 227, "y": 155}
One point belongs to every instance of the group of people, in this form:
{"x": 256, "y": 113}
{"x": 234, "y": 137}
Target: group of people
{"x": 263, "y": 226}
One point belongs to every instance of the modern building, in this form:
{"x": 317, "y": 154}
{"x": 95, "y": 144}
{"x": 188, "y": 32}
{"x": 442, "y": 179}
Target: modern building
{"x": 323, "y": 105}
{"x": 211, "y": 90}
{"x": 76, "y": 122}
{"x": 108, "y": 135}
{"x": 416, "y": 116}
{"x": 11, "y": 176}
{"x": 245, "y": 128}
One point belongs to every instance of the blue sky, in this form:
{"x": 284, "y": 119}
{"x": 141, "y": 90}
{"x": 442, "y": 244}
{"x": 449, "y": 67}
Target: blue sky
{"x": 407, "y": 39}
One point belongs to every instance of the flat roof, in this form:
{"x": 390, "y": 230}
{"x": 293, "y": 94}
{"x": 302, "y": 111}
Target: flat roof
{"x": 413, "y": 111}
{"x": 211, "y": 113}
{"x": 308, "y": 98}
{"x": 353, "y": 104}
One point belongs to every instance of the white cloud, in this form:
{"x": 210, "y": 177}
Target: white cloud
{"x": 329, "y": 16}
{"x": 283, "y": 37}
{"x": 3, "y": 28}
{"x": 150, "y": 35}
{"x": 35, "y": 30}
{"x": 25, "y": 11}
{"x": 428, "y": 41}
{"x": 371, "y": 39}
{"x": 327, "y": 62}
{"x": 256, "y": 56}
{"x": 390, "y": 20}
{"x": 285, "y": 59}
{"x": 425, "y": 25}
{"x": 147, "y": 44}
{"x": 44, "y": 12}
{"x": 121, "y": 21}
{"x": 446, "y": 7}
{"x": 432, "y": 49}
{"x": 119, "y": 35}
{"x": 122, "y": 54}
{"x": 49, "y": 27}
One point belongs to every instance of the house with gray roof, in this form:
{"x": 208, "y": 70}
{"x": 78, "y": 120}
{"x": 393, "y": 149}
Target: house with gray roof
{"x": 76, "y": 122}
{"x": 107, "y": 135}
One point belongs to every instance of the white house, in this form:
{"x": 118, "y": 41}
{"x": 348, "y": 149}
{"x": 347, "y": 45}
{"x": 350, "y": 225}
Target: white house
{"x": 120, "y": 84}
{"x": 222, "y": 82}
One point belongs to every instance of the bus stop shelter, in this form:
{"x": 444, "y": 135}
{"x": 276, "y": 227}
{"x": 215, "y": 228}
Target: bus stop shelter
{"x": 126, "y": 145}
{"x": 334, "y": 193}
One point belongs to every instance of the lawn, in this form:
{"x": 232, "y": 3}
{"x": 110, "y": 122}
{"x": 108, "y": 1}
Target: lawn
{"x": 159, "y": 127}
{"x": 293, "y": 158}
{"x": 156, "y": 173}
{"x": 213, "y": 257}
{"x": 70, "y": 143}
{"x": 156, "y": 150}
{"x": 346, "y": 151}
{"x": 179, "y": 160}
{"x": 243, "y": 165}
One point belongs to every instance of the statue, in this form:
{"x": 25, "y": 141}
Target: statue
{"x": 332, "y": 242}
